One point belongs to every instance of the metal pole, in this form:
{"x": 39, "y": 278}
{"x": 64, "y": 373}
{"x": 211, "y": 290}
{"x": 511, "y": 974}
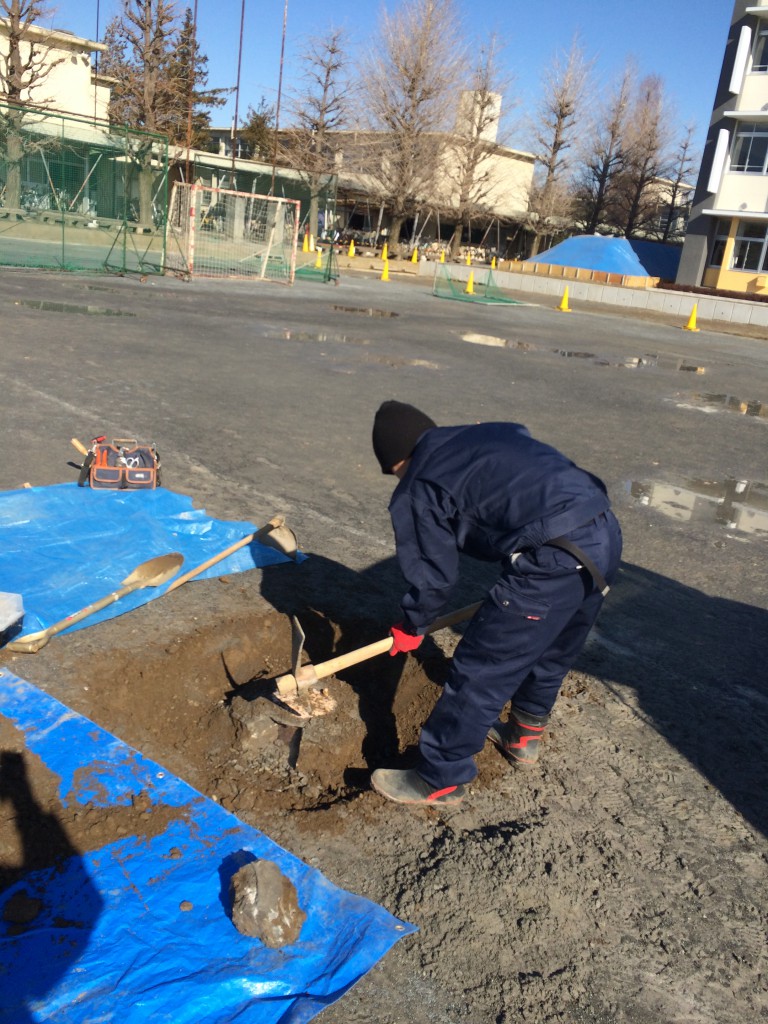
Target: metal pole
{"x": 190, "y": 90}
{"x": 96, "y": 68}
{"x": 279, "y": 94}
{"x": 233, "y": 183}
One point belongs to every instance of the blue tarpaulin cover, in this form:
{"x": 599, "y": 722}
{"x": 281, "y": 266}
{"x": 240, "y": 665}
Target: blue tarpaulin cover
{"x": 64, "y": 547}
{"x": 594, "y": 252}
{"x": 627, "y": 256}
{"x": 139, "y": 930}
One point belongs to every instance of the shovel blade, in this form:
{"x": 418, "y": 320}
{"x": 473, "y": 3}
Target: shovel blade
{"x": 155, "y": 571}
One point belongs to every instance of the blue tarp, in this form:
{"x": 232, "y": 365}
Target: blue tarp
{"x": 629, "y": 257}
{"x": 64, "y": 547}
{"x": 138, "y": 930}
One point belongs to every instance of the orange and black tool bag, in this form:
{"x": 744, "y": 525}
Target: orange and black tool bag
{"x": 124, "y": 463}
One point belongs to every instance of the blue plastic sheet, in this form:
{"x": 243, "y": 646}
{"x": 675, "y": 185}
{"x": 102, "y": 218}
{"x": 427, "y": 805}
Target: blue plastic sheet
{"x": 594, "y": 252}
{"x": 64, "y": 547}
{"x": 113, "y": 942}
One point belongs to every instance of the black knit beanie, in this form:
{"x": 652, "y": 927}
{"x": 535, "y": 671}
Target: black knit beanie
{"x": 396, "y": 429}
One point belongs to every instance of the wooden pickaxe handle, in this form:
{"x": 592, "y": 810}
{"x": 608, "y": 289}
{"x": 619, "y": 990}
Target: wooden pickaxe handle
{"x": 309, "y": 674}
{"x": 259, "y": 535}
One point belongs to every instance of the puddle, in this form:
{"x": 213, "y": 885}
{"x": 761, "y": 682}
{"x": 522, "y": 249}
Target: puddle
{"x": 646, "y": 361}
{"x": 714, "y": 403}
{"x": 289, "y": 335}
{"x": 740, "y": 505}
{"x": 63, "y": 307}
{"x": 362, "y": 311}
{"x": 634, "y": 362}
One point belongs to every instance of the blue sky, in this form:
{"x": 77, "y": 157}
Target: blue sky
{"x": 682, "y": 42}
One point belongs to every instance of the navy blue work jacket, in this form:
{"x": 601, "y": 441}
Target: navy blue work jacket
{"x": 487, "y": 490}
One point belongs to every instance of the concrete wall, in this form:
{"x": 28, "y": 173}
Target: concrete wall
{"x": 653, "y": 300}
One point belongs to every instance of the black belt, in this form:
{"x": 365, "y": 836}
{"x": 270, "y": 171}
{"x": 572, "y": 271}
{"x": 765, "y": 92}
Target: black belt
{"x": 565, "y": 545}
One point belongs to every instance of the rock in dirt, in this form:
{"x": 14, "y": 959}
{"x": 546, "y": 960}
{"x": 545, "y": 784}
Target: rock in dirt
{"x": 265, "y": 904}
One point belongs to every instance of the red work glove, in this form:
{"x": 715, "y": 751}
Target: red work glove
{"x": 403, "y": 642}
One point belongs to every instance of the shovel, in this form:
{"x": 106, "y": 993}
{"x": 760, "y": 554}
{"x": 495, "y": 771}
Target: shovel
{"x": 304, "y": 677}
{"x": 149, "y": 574}
{"x": 274, "y": 534}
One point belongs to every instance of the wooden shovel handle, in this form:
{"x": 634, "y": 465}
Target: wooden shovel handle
{"x": 273, "y": 524}
{"x": 330, "y": 668}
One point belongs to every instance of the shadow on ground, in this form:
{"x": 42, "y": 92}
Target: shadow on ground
{"x": 696, "y": 663}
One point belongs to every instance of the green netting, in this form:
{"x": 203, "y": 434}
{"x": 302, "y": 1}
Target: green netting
{"x": 325, "y": 268}
{"x": 483, "y": 288}
{"x": 80, "y": 195}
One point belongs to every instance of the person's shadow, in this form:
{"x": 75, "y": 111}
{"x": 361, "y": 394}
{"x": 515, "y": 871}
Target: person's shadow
{"x": 48, "y": 901}
{"x": 698, "y": 666}
{"x": 697, "y": 663}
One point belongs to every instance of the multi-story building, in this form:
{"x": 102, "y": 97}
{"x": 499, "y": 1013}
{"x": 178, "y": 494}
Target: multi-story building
{"x": 726, "y": 246}
{"x": 67, "y": 80}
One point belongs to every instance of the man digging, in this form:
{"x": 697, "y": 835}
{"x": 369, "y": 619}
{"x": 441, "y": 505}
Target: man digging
{"x": 493, "y": 492}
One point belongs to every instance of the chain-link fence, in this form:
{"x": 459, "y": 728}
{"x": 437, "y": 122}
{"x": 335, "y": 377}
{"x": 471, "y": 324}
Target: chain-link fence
{"x": 80, "y": 195}
{"x": 215, "y": 232}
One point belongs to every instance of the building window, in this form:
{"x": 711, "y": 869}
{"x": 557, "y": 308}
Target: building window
{"x": 750, "y": 250}
{"x": 750, "y": 149}
{"x": 718, "y": 246}
{"x": 760, "y": 60}
{"x": 750, "y": 247}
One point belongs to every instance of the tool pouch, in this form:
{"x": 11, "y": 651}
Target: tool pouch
{"x": 124, "y": 463}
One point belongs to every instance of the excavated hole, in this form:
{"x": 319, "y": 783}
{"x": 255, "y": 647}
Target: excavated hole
{"x": 200, "y": 706}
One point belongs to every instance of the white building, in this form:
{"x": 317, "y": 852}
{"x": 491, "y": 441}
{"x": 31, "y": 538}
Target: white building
{"x": 726, "y": 246}
{"x": 70, "y": 85}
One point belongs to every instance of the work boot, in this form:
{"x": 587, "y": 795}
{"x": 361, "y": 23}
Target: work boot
{"x": 518, "y": 739}
{"x": 408, "y": 787}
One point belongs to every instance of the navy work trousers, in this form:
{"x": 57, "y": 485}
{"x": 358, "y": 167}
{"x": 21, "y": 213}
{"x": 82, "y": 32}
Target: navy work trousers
{"x": 520, "y": 644}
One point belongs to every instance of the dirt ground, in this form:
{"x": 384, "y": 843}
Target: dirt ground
{"x": 620, "y": 881}
{"x": 611, "y": 883}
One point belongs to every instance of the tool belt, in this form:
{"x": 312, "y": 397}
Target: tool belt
{"x": 566, "y": 545}
{"x": 121, "y": 464}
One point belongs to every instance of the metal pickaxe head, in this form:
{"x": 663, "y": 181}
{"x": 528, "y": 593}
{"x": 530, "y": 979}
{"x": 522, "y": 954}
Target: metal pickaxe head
{"x": 301, "y": 677}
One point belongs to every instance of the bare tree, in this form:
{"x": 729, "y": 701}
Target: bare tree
{"x": 684, "y": 164}
{"x": 24, "y": 69}
{"x": 409, "y": 88}
{"x": 564, "y": 88}
{"x": 468, "y": 169}
{"x": 646, "y": 158}
{"x": 604, "y": 155}
{"x": 318, "y": 112}
{"x": 145, "y": 95}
